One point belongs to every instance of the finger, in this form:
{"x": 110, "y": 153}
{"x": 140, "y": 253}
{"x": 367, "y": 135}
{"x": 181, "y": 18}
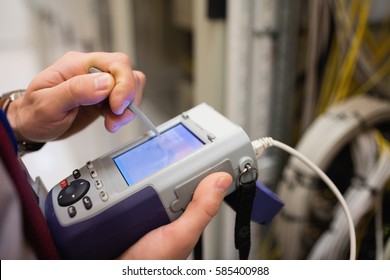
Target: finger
{"x": 140, "y": 81}
{"x": 113, "y": 122}
{"x": 127, "y": 88}
{"x": 177, "y": 239}
{"x": 74, "y": 64}
{"x": 205, "y": 204}
{"x": 125, "y": 85}
{"x": 82, "y": 90}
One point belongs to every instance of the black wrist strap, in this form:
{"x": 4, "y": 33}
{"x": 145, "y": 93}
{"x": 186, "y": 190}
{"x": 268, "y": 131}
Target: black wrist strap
{"x": 242, "y": 230}
{"x": 241, "y": 201}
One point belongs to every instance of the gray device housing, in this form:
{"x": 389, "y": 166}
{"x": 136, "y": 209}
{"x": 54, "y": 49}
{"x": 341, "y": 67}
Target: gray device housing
{"x": 226, "y": 148}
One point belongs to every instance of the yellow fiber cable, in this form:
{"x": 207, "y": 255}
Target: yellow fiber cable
{"x": 329, "y": 79}
{"x": 336, "y": 81}
{"x": 370, "y": 41}
{"x": 375, "y": 78}
{"x": 382, "y": 50}
{"x": 352, "y": 26}
{"x": 349, "y": 64}
{"x": 383, "y": 144}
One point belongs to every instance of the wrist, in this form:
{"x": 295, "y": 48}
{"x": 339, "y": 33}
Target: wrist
{"x": 9, "y": 103}
{"x": 8, "y": 97}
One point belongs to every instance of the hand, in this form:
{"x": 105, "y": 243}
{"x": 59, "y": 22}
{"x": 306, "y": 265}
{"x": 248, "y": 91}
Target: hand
{"x": 177, "y": 239}
{"x": 64, "y": 98}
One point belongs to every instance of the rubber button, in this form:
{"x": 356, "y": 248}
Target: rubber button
{"x": 87, "y": 202}
{"x": 103, "y": 195}
{"x": 89, "y": 165}
{"x": 73, "y": 192}
{"x": 72, "y": 211}
{"x": 98, "y": 184}
{"x": 63, "y": 184}
{"x": 93, "y": 173}
{"x": 76, "y": 174}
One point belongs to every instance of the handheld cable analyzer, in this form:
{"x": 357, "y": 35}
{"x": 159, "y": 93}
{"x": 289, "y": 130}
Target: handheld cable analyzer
{"x": 107, "y": 205}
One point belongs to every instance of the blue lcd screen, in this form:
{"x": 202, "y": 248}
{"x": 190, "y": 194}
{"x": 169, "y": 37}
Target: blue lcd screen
{"x": 157, "y": 153}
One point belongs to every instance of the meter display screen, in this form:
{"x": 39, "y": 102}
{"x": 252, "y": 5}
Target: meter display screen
{"x": 157, "y": 153}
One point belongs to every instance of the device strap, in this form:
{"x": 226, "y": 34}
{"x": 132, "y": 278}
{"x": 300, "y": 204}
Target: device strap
{"x": 242, "y": 230}
{"x": 241, "y": 201}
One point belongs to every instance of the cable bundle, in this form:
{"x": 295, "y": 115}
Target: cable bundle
{"x": 371, "y": 159}
{"x": 345, "y": 93}
{"x": 322, "y": 142}
{"x": 347, "y": 55}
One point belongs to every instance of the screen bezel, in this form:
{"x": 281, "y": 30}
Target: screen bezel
{"x": 139, "y": 143}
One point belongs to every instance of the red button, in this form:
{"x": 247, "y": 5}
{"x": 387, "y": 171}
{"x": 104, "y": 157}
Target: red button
{"x": 63, "y": 183}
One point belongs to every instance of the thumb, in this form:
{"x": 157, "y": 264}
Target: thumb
{"x": 177, "y": 239}
{"x": 205, "y": 203}
{"x": 88, "y": 89}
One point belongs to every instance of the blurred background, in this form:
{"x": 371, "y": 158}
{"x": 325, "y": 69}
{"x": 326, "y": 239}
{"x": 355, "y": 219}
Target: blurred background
{"x": 276, "y": 68}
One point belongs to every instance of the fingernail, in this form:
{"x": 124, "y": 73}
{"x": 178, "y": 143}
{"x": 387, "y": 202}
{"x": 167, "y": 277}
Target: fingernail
{"x": 124, "y": 105}
{"x": 223, "y": 183}
{"x": 102, "y": 81}
{"x": 115, "y": 127}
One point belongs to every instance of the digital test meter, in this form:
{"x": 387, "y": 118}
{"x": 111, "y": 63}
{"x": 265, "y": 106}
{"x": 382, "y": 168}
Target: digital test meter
{"x": 107, "y": 205}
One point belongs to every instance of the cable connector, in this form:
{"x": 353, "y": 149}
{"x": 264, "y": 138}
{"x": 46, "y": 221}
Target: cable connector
{"x": 261, "y": 144}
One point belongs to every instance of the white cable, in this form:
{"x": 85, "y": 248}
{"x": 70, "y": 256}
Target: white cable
{"x": 379, "y": 244}
{"x": 263, "y": 143}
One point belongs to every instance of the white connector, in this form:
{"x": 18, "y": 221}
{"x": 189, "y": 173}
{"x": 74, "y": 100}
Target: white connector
{"x": 261, "y": 144}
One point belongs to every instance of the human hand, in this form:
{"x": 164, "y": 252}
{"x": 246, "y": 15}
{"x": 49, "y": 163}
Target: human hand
{"x": 64, "y": 98}
{"x": 177, "y": 239}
